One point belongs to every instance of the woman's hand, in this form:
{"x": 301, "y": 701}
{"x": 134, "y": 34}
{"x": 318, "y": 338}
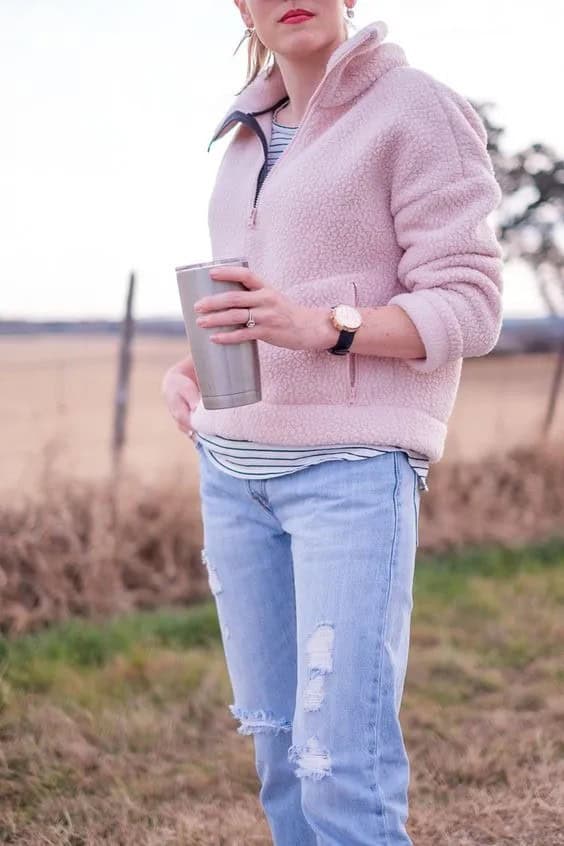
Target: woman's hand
{"x": 280, "y": 321}
{"x": 181, "y": 392}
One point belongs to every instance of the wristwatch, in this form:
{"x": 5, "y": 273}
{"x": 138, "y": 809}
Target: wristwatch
{"x": 347, "y": 319}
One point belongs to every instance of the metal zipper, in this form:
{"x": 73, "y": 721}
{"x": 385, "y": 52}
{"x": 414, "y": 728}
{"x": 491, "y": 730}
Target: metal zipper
{"x": 253, "y": 213}
{"x": 262, "y": 137}
{"x": 260, "y": 185}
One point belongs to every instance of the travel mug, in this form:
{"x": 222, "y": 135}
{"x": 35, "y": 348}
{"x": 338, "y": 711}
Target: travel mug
{"x": 229, "y": 374}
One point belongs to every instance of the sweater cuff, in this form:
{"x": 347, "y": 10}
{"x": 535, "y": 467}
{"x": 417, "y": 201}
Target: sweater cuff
{"x": 437, "y": 327}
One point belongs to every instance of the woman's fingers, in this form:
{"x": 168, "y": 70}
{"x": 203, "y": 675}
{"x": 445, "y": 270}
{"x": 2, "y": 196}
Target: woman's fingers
{"x": 181, "y": 413}
{"x": 232, "y": 317}
{"x": 182, "y": 395}
{"x": 189, "y": 391}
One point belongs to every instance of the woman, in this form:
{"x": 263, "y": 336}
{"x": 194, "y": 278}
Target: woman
{"x": 352, "y": 180}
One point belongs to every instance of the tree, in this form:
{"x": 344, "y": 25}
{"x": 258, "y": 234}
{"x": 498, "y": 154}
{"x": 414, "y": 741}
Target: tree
{"x": 531, "y": 222}
{"x": 531, "y": 214}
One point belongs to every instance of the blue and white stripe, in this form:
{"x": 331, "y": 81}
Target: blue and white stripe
{"x": 251, "y": 460}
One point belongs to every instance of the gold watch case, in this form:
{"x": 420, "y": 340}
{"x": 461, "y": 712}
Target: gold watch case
{"x": 347, "y": 317}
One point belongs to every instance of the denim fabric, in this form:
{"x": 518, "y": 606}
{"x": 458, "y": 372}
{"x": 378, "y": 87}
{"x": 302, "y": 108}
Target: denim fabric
{"x": 312, "y": 576}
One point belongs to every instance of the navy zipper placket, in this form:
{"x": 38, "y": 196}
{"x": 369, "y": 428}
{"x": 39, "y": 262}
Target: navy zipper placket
{"x": 260, "y": 184}
{"x": 249, "y": 120}
{"x": 251, "y": 221}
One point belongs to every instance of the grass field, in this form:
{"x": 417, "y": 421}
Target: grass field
{"x": 120, "y": 733}
{"x": 57, "y": 395}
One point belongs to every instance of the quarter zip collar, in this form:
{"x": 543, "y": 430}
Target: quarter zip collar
{"x": 355, "y": 64}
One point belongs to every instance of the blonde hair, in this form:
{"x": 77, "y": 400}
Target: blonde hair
{"x": 259, "y": 56}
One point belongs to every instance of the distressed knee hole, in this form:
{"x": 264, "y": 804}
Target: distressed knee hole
{"x": 259, "y": 722}
{"x": 312, "y": 760}
{"x": 314, "y": 693}
{"x": 319, "y": 651}
{"x": 213, "y": 579}
{"x": 320, "y": 648}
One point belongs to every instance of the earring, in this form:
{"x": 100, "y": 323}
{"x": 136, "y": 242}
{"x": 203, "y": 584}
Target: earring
{"x": 350, "y": 12}
{"x": 247, "y": 34}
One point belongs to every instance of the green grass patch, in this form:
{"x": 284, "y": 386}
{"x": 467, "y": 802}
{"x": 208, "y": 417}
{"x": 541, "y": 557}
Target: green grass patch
{"x": 473, "y": 596}
{"x": 85, "y": 643}
{"x": 121, "y": 724}
{"x": 448, "y": 575}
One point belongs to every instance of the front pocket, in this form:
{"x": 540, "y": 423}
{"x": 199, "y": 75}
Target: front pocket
{"x": 310, "y": 377}
{"x": 352, "y": 368}
{"x": 352, "y": 355}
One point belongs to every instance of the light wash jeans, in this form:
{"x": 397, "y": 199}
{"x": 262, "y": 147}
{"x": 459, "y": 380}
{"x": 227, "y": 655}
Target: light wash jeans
{"x": 312, "y": 576}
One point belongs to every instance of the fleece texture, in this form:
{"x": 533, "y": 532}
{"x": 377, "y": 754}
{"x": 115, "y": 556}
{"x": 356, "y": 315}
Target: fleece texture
{"x": 382, "y": 196}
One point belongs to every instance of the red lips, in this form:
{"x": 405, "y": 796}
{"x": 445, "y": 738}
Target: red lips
{"x": 295, "y": 13}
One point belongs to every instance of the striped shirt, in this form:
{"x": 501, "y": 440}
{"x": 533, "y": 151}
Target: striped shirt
{"x": 250, "y": 460}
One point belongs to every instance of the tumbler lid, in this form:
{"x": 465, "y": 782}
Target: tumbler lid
{"x": 212, "y": 263}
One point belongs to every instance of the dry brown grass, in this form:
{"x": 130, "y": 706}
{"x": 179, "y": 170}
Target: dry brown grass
{"x": 140, "y": 749}
{"x": 126, "y": 740}
{"x": 89, "y": 548}
{"x": 509, "y": 498}
{"x": 92, "y": 548}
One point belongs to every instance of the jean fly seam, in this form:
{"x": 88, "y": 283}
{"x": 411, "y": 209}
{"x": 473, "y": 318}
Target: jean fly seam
{"x": 258, "y": 497}
{"x": 383, "y": 649}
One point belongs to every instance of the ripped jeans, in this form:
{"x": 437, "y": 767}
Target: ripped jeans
{"x": 312, "y": 576}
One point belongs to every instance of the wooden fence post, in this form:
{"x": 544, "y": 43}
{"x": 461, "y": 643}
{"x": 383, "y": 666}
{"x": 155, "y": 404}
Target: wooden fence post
{"x": 554, "y": 390}
{"x": 122, "y": 385}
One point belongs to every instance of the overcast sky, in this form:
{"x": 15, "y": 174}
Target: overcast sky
{"x": 108, "y": 106}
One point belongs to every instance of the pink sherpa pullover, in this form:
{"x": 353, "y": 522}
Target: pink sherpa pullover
{"x": 382, "y": 196}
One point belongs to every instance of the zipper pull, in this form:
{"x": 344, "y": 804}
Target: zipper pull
{"x": 251, "y": 219}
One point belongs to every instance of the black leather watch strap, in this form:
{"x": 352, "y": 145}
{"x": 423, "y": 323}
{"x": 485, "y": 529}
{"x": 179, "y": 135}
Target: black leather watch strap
{"x": 344, "y": 341}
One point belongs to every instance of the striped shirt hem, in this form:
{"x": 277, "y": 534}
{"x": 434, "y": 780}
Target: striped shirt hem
{"x": 250, "y": 460}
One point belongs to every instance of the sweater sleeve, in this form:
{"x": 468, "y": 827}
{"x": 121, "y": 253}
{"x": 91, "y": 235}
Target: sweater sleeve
{"x": 443, "y": 189}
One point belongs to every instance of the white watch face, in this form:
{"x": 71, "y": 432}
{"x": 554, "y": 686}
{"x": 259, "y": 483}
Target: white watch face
{"x": 348, "y": 316}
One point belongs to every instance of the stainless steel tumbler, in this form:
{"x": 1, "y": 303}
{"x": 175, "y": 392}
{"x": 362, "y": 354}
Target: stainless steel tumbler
{"x": 229, "y": 374}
